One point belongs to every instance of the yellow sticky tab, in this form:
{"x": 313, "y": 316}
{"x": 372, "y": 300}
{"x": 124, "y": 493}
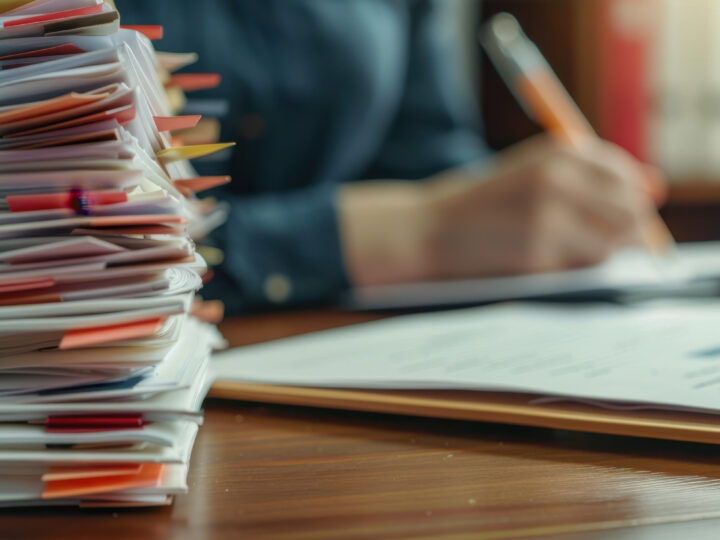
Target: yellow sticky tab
{"x": 8, "y": 5}
{"x": 212, "y": 255}
{"x": 168, "y": 155}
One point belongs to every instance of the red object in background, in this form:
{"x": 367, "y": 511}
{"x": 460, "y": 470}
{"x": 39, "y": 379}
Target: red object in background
{"x": 625, "y": 48}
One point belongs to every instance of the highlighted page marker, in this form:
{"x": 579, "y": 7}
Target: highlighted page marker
{"x": 107, "y": 334}
{"x": 201, "y": 183}
{"x": 168, "y": 155}
{"x": 172, "y": 123}
{"x": 195, "y": 81}
{"x": 150, "y": 31}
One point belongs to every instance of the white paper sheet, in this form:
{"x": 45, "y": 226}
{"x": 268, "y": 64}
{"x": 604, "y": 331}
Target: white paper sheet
{"x": 659, "y": 354}
{"x": 629, "y": 272}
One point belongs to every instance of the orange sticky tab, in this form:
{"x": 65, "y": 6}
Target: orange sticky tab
{"x": 195, "y": 81}
{"x": 150, "y": 475}
{"x": 93, "y": 471}
{"x": 150, "y": 31}
{"x": 106, "y": 334}
{"x": 172, "y": 123}
{"x": 48, "y": 106}
{"x": 201, "y": 183}
{"x": 168, "y": 155}
{"x": 122, "y": 114}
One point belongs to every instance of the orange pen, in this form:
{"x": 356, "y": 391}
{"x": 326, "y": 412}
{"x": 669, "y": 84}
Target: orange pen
{"x": 543, "y": 97}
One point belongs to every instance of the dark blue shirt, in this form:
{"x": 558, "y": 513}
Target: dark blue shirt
{"x": 321, "y": 92}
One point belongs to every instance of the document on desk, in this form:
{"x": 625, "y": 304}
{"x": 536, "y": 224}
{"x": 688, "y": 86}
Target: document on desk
{"x": 103, "y": 364}
{"x": 659, "y": 354}
{"x": 693, "y": 269}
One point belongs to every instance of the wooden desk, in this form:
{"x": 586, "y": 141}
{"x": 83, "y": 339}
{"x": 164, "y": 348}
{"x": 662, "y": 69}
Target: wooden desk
{"x": 278, "y": 472}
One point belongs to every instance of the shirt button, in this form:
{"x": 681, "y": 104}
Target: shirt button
{"x": 277, "y": 288}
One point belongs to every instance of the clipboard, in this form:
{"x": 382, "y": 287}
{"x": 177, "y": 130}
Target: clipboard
{"x": 495, "y": 407}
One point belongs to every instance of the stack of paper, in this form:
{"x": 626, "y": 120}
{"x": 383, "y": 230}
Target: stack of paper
{"x": 102, "y": 367}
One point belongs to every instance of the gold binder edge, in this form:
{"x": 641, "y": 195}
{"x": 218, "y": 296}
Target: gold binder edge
{"x": 496, "y": 407}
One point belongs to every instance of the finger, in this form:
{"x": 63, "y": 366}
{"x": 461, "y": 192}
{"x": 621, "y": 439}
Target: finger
{"x": 655, "y": 185}
{"x": 614, "y": 213}
{"x": 578, "y": 243}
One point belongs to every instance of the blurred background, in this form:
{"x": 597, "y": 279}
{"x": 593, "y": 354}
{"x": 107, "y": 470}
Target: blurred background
{"x": 647, "y": 75}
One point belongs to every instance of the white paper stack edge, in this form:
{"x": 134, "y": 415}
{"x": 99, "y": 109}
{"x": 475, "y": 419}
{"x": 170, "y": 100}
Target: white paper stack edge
{"x": 102, "y": 366}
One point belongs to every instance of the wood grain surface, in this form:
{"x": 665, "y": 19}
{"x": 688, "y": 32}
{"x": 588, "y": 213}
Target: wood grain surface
{"x": 261, "y": 471}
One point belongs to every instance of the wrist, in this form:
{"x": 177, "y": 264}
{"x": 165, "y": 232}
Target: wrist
{"x": 384, "y": 229}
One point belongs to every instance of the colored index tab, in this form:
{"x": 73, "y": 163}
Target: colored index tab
{"x": 26, "y": 285}
{"x": 150, "y": 31}
{"x": 57, "y": 16}
{"x": 48, "y": 106}
{"x": 150, "y": 475}
{"x": 122, "y": 114}
{"x": 172, "y": 123}
{"x": 168, "y": 155}
{"x": 91, "y": 471}
{"x": 201, "y": 183}
{"x": 107, "y": 334}
{"x": 195, "y": 81}
{"x": 50, "y": 201}
{"x": 57, "y": 50}
{"x": 129, "y": 420}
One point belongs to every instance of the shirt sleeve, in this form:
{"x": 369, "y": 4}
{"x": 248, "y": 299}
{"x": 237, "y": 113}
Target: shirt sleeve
{"x": 283, "y": 247}
{"x": 280, "y": 249}
{"x": 438, "y": 125}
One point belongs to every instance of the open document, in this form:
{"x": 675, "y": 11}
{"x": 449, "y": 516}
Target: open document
{"x": 647, "y": 355}
{"x": 691, "y": 269}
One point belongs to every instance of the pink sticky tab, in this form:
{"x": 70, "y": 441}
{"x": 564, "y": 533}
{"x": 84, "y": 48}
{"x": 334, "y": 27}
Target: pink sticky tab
{"x": 172, "y": 123}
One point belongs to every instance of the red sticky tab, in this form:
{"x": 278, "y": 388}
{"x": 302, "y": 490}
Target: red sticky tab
{"x": 150, "y": 31}
{"x": 110, "y": 420}
{"x": 26, "y": 285}
{"x": 50, "y": 201}
{"x": 58, "y": 50}
{"x": 58, "y": 15}
{"x": 190, "y": 82}
{"x": 107, "y": 334}
{"x": 172, "y": 123}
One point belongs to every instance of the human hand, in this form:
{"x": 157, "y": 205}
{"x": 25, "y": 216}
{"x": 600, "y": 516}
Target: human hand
{"x": 541, "y": 206}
